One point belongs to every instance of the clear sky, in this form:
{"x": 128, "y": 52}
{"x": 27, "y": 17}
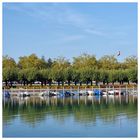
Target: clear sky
{"x": 69, "y": 29}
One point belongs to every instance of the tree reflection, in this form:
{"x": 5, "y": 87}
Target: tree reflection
{"x": 84, "y": 110}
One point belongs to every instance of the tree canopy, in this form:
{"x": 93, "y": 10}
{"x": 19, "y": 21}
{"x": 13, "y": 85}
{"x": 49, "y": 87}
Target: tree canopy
{"x": 83, "y": 69}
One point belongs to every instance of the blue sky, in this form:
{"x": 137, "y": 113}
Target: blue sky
{"x": 69, "y": 29}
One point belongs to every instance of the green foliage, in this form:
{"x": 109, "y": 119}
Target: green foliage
{"x": 10, "y": 74}
{"x": 31, "y": 61}
{"x": 31, "y": 74}
{"x": 22, "y": 75}
{"x": 58, "y": 69}
{"x": 49, "y": 63}
{"x": 104, "y": 76}
{"x": 43, "y": 75}
{"x": 87, "y": 74}
{"x": 133, "y": 75}
{"x": 8, "y": 62}
{"x": 108, "y": 62}
{"x": 85, "y": 61}
{"x": 84, "y": 69}
{"x": 130, "y": 62}
{"x": 75, "y": 75}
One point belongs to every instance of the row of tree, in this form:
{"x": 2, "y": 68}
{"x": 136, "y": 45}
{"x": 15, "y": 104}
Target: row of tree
{"x": 84, "y": 69}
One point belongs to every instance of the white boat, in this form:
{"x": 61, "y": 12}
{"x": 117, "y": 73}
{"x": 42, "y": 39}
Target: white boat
{"x": 111, "y": 92}
{"x": 82, "y": 93}
{"x": 44, "y": 93}
{"x": 104, "y": 93}
{"x": 24, "y": 94}
{"x": 90, "y": 93}
{"x": 54, "y": 93}
{"x": 114, "y": 92}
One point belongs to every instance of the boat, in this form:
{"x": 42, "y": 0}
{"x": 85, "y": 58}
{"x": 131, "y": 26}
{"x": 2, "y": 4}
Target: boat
{"x": 24, "y": 94}
{"x": 97, "y": 92}
{"x": 44, "y": 93}
{"x": 54, "y": 93}
{"x": 67, "y": 94}
{"x": 90, "y": 93}
{"x": 104, "y": 93}
{"x": 111, "y": 92}
{"x": 6, "y": 94}
{"x": 114, "y": 92}
{"x": 82, "y": 93}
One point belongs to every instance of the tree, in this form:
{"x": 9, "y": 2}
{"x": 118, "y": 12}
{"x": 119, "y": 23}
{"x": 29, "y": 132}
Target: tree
{"x": 68, "y": 73}
{"x": 108, "y": 62}
{"x": 96, "y": 76}
{"x": 49, "y": 63}
{"x": 27, "y": 75}
{"x": 85, "y": 61}
{"x": 104, "y": 76}
{"x": 133, "y": 75}
{"x": 10, "y": 75}
{"x": 43, "y": 76}
{"x": 9, "y": 69}
{"x": 87, "y": 75}
{"x": 75, "y": 75}
{"x": 31, "y": 75}
{"x": 31, "y": 61}
{"x": 8, "y": 62}
{"x": 130, "y": 62}
{"x": 22, "y": 76}
{"x": 58, "y": 70}
{"x": 112, "y": 76}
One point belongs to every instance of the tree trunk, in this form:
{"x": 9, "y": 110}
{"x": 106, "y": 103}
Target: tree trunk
{"x": 68, "y": 82}
{"x": 62, "y": 83}
{"x": 58, "y": 83}
{"x": 42, "y": 83}
{"x": 75, "y": 83}
{"x": 11, "y": 83}
{"x": 91, "y": 83}
{"x": 80, "y": 83}
{"x": 24, "y": 83}
{"x": 30, "y": 83}
{"x": 96, "y": 83}
{"x": 50, "y": 83}
{"x": 45, "y": 82}
{"x": 6, "y": 83}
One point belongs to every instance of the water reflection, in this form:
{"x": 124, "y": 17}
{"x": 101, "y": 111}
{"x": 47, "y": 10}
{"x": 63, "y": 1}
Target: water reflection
{"x": 84, "y": 109}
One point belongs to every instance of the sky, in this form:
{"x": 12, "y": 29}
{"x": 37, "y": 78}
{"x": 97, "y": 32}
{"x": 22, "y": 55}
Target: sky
{"x": 69, "y": 29}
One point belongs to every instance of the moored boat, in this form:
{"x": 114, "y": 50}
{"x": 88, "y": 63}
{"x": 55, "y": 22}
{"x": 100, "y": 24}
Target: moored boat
{"x": 24, "y": 94}
{"x": 6, "y": 94}
{"x": 97, "y": 92}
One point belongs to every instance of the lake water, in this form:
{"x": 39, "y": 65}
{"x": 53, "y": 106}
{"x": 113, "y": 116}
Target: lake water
{"x": 109, "y": 116}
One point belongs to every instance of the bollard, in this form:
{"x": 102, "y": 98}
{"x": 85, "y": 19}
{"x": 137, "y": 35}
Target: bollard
{"x": 78, "y": 90}
{"x": 119, "y": 91}
{"x": 126, "y": 90}
{"x": 70, "y": 90}
{"x": 63, "y": 90}
{"x": 133, "y": 90}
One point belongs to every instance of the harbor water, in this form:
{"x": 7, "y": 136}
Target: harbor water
{"x": 74, "y": 116}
